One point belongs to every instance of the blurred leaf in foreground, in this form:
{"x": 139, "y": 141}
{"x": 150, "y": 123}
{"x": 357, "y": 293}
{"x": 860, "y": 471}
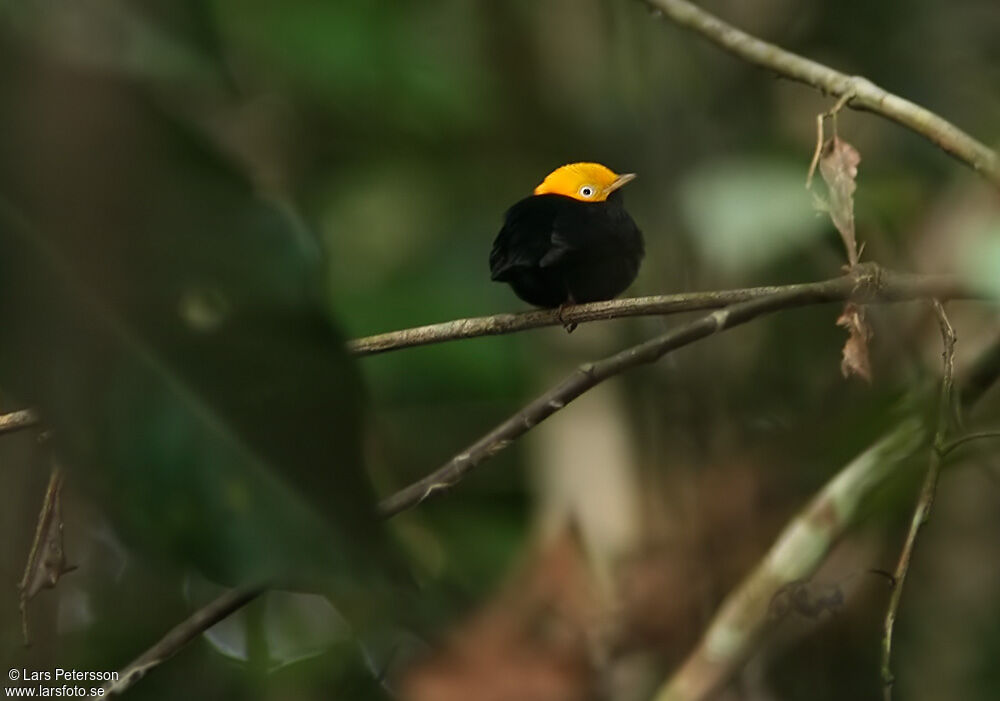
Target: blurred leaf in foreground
{"x": 164, "y": 321}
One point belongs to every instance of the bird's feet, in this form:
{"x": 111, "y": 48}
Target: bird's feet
{"x": 570, "y": 326}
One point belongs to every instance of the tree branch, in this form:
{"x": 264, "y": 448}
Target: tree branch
{"x": 925, "y": 501}
{"x": 17, "y": 420}
{"x": 866, "y": 283}
{"x": 864, "y": 94}
{"x": 180, "y": 635}
{"x": 968, "y": 438}
{"x": 742, "y": 619}
{"x": 499, "y": 324}
{"x": 942, "y": 286}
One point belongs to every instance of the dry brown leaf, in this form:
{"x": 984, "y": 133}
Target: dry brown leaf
{"x": 839, "y": 167}
{"x": 855, "y": 360}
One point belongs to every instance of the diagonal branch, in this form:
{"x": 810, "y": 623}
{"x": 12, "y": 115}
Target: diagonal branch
{"x": 947, "y": 288}
{"x": 18, "y": 420}
{"x": 864, "y": 94}
{"x": 741, "y": 621}
{"x": 864, "y": 283}
{"x": 925, "y": 501}
{"x": 180, "y": 635}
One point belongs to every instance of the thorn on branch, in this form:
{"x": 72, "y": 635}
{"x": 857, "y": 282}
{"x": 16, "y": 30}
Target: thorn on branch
{"x": 887, "y": 575}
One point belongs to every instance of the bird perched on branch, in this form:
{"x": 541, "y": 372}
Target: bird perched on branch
{"x": 571, "y": 242}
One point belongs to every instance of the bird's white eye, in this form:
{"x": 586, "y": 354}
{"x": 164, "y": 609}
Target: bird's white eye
{"x": 587, "y": 191}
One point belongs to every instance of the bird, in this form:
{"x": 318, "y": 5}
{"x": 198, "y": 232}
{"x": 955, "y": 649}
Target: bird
{"x": 571, "y": 241}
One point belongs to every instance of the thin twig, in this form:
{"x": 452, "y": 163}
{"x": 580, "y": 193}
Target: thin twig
{"x": 820, "y": 140}
{"x": 926, "y": 499}
{"x": 741, "y": 621}
{"x": 865, "y": 94}
{"x": 942, "y": 286}
{"x": 968, "y": 438}
{"x": 180, "y": 635}
{"x": 864, "y": 283}
{"x": 18, "y": 420}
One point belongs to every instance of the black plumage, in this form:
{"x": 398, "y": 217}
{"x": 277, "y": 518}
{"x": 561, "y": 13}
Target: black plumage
{"x": 556, "y": 250}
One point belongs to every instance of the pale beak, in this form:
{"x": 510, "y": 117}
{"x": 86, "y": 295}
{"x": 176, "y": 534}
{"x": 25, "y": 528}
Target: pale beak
{"x": 622, "y": 179}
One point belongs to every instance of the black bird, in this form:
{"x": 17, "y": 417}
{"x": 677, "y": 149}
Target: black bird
{"x": 571, "y": 242}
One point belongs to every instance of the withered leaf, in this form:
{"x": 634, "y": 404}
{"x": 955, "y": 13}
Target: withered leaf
{"x": 838, "y": 165}
{"x": 855, "y": 360}
{"x": 47, "y": 559}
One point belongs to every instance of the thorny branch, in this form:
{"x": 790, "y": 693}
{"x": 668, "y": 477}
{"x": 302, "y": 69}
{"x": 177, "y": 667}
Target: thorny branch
{"x": 925, "y": 501}
{"x": 863, "y": 94}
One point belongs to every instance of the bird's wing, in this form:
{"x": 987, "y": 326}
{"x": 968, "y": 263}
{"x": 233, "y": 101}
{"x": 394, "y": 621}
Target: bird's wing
{"x": 526, "y": 236}
{"x": 556, "y": 253}
{"x": 501, "y": 258}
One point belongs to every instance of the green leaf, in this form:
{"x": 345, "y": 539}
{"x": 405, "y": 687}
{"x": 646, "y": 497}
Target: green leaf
{"x": 979, "y": 258}
{"x": 746, "y": 213}
{"x": 164, "y": 320}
